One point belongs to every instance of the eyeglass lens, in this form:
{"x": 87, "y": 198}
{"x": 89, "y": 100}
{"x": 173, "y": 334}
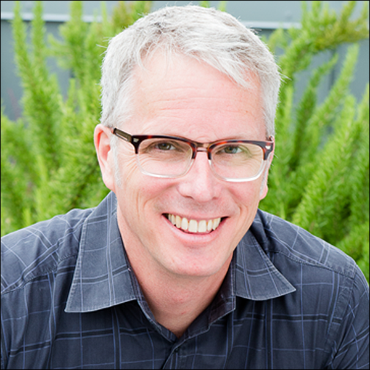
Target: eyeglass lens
{"x": 173, "y": 158}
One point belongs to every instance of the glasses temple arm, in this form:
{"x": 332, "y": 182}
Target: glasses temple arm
{"x": 122, "y": 134}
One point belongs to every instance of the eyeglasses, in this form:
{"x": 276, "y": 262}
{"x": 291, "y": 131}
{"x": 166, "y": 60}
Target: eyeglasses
{"x": 172, "y": 157}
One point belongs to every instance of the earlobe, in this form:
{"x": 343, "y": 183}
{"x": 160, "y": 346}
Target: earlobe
{"x": 104, "y": 154}
{"x": 264, "y": 190}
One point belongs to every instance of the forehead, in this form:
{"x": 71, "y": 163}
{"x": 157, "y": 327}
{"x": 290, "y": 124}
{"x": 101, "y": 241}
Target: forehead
{"x": 183, "y": 96}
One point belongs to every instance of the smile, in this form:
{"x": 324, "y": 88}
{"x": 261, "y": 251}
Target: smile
{"x": 194, "y": 226}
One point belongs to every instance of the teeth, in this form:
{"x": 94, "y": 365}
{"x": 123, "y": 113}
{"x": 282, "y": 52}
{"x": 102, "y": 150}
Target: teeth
{"x": 194, "y": 226}
{"x": 178, "y": 222}
{"x": 216, "y": 222}
{"x": 184, "y": 223}
{"x": 202, "y": 226}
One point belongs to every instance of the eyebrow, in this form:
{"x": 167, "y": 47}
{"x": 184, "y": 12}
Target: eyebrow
{"x": 208, "y": 142}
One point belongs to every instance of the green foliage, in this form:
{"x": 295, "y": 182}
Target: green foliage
{"x": 48, "y": 161}
{"x": 319, "y": 178}
{"x": 221, "y": 5}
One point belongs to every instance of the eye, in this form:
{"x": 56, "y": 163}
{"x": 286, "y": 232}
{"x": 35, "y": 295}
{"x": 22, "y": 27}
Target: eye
{"x": 164, "y": 146}
{"x": 237, "y": 151}
{"x": 232, "y": 149}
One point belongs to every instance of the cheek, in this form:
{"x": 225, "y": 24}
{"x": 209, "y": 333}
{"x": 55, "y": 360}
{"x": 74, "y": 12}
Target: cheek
{"x": 139, "y": 192}
{"x": 127, "y": 178}
{"x": 249, "y": 194}
{"x": 247, "y": 198}
{"x": 126, "y": 168}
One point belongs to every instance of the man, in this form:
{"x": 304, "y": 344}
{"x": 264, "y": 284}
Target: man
{"x": 177, "y": 267}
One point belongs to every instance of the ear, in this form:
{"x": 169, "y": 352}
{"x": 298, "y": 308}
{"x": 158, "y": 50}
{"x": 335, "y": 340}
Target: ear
{"x": 105, "y": 155}
{"x": 264, "y": 187}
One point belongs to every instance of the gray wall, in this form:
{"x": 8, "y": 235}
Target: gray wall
{"x": 264, "y": 16}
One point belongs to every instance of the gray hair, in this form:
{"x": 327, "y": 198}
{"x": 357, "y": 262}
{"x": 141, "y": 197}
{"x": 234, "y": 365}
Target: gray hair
{"x": 206, "y": 34}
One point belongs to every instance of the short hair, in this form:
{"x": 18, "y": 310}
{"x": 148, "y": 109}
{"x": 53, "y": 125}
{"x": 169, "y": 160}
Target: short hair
{"x": 206, "y": 34}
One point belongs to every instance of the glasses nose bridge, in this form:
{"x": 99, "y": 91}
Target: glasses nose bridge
{"x": 201, "y": 147}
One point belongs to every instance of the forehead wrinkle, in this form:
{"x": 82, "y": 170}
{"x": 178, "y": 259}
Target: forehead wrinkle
{"x": 170, "y": 118}
{"x": 159, "y": 104}
{"x": 152, "y": 80}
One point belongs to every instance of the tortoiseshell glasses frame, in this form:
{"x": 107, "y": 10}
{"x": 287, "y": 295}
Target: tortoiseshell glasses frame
{"x": 182, "y": 165}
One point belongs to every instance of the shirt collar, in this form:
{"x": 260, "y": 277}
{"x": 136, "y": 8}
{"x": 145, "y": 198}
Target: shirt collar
{"x": 103, "y": 277}
{"x": 256, "y": 277}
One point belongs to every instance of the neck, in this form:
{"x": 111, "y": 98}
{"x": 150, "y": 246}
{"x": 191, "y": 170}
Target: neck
{"x": 177, "y": 302}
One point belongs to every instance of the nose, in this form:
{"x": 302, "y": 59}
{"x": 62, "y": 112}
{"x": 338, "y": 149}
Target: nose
{"x": 200, "y": 183}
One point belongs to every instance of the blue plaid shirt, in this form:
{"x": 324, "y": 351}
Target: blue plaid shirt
{"x": 70, "y": 300}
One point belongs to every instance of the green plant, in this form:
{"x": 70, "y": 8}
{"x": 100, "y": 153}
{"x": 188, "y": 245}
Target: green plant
{"x": 318, "y": 180}
{"x": 48, "y": 160}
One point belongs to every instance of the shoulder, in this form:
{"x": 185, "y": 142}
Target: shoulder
{"x": 280, "y": 237}
{"x": 330, "y": 280}
{"x": 330, "y": 288}
{"x": 38, "y": 249}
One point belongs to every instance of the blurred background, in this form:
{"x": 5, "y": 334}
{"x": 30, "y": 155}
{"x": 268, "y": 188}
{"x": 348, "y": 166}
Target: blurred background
{"x": 263, "y": 16}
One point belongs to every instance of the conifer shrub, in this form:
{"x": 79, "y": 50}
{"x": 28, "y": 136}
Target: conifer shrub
{"x": 320, "y": 174}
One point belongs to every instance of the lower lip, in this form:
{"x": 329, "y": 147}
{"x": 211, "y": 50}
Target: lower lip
{"x": 195, "y": 237}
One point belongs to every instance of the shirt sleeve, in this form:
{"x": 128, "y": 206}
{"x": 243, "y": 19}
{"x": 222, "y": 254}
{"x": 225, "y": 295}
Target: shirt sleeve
{"x": 351, "y": 347}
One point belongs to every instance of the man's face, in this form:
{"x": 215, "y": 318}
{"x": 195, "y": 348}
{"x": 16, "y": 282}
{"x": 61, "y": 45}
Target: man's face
{"x": 193, "y": 100}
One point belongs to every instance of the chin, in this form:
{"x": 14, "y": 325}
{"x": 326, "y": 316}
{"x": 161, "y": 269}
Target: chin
{"x": 198, "y": 266}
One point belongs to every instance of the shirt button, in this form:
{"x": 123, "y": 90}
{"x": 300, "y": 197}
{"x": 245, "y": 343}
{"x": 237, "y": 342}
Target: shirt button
{"x": 176, "y": 350}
